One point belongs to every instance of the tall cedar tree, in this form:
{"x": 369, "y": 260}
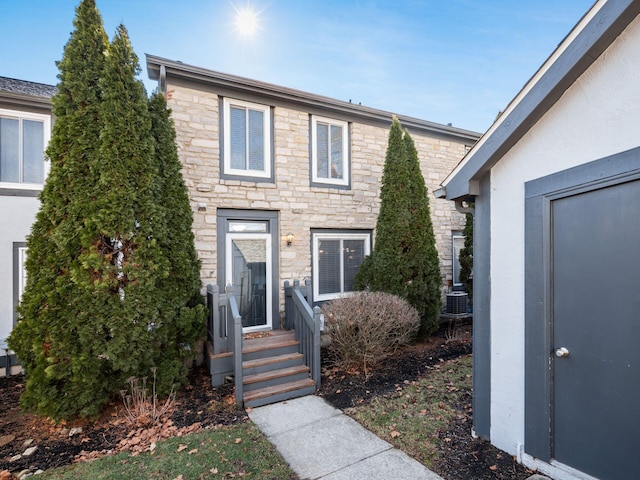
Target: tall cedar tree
{"x": 181, "y": 289}
{"x": 404, "y": 260}
{"x": 113, "y": 312}
{"x": 62, "y": 377}
{"x": 466, "y": 257}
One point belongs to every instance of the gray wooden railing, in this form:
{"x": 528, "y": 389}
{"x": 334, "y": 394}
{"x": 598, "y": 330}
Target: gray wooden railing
{"x": 224, "y": 329}
{"x": 217, "y": 328}
{"x": 234, "y": 318}
{"x": 306, "y": 323}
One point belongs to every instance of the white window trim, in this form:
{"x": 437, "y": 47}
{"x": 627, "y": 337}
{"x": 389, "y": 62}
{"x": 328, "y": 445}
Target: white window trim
{"x": 334, "y": 236}
{"x": 46, "y": 119}
{"x": 344, "y": 181}
{"x": 455, "y": 257}
{"x": 266, "y": 173}
{"x": 22, "y": 271}
{"x": 19, "y": 275}
{"x": 230, "y": 237}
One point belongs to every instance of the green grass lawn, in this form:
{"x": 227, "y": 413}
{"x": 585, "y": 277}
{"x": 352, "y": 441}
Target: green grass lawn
{"x": 410, "y": 417}
{"x": 239, "y": 451}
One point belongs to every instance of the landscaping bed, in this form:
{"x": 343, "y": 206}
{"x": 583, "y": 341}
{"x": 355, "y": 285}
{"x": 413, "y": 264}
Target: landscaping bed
{"x": 457, "y": 455}
{"x": 433, "y": 425}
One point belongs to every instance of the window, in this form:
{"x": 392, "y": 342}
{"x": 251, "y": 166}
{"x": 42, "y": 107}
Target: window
{"x": 336, "y": 260}
{"x": 19, "y": 274}
{"x": 329, "y": 151}
{"x": 458, "y": 245}
{"x": 23, "y": 139}
{"x": 247, "y": 139}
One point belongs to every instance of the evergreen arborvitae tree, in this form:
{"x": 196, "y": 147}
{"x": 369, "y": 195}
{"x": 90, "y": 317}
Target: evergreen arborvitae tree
{"x": 181, "y": 288}
{"x": 466, "y": 257}
{"x": 121, "y": 261}
{"x": 404, "y": 260}
{"x": 422, "y": 262}
{"x": 101, "y": 304}
{"x": 46, "y": 339}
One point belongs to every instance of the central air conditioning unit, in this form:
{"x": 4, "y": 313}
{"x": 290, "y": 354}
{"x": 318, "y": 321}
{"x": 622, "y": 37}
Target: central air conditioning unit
{"x": 457, "y": 303}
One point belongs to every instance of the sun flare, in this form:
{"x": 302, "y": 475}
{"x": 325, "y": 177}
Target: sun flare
{"x": 246, "y": 22}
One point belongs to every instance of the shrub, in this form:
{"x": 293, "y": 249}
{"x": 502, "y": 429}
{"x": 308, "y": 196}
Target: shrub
{"x": 368, "y": 326}
{"x": 404, "y": 260}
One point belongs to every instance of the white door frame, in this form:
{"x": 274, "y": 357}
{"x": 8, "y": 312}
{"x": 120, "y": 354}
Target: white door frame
{"x": 229, "y": 238}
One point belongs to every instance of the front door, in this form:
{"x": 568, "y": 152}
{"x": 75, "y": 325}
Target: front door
{"x": 248, "y": 269}
{"x": 596, "y": 331}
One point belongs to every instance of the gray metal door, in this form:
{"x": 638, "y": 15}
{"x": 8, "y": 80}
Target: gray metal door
{"x": 596, "y": 320}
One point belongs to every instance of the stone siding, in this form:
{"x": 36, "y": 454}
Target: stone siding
{"x": 301, "y": 206}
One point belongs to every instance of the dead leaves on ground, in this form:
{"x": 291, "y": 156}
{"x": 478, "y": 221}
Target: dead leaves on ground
{"x": 142, "y": 440}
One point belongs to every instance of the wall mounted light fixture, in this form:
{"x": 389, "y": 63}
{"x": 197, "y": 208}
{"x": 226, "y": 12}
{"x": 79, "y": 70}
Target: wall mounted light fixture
{"x": 289, "y": 239}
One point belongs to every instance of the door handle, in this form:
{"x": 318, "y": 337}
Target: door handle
{"x": 562, "y": 352}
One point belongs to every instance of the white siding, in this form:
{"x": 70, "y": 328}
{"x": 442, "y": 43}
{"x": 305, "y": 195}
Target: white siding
{"x": 17, "y": 214}
{"x": 597, "y": 117}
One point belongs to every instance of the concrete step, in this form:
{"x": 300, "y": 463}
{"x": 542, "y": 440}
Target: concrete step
{"x": 274, "y": 377}
{"x": 278, "y": 393}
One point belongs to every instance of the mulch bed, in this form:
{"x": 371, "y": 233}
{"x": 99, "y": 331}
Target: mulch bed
{"x": 463, "y": 457}
{"x": 202, "y": 406}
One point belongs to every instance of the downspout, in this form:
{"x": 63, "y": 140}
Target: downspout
{"x": 162, "y": 80}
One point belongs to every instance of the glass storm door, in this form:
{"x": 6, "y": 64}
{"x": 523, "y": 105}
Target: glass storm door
{"x": 248, "y": 269}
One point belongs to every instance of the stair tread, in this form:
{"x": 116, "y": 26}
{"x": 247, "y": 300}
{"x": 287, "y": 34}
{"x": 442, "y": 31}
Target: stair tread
{"x": 281, "y": 372}
{"x": 267, "y": 343}
{"x": 258, "y": 362}
{"x": 276, "y": 389}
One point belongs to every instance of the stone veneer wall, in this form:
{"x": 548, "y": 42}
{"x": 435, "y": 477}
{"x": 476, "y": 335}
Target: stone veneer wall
{"x": 301, "y": 207}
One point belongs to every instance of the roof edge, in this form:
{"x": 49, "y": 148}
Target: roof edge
{"x": 24, "y": 100}
{"x": 232, "y": 82}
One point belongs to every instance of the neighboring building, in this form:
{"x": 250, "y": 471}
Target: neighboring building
{"x": 556, "y": 185}
{"x": 285, "y": 184}
{"x": 25, "y": 128}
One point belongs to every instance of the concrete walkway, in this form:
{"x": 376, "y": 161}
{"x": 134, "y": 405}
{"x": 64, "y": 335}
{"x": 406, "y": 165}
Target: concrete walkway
{"x": 320, "y": 442}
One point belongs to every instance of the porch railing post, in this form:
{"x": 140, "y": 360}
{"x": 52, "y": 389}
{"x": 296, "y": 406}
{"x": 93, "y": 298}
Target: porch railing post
{"x": 315, "y": 374}
{"x": 217, "y": 334}
{"x": 308, "y": 291}
{"x": 210, "y": 306}
{"x": 288, "y": 305}
{"x": 237, "y": 357}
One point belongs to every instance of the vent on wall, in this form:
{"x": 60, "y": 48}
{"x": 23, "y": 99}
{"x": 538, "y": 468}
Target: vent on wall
{"x": 457, "y": 303}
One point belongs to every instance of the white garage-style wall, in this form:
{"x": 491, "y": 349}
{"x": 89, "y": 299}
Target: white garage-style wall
{"x": 577, "y": 114}
{"x": 597, "y": 117}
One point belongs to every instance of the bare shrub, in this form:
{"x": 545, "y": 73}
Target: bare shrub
{"x": 144, "y": 409}
{"x": 368, "y": 326}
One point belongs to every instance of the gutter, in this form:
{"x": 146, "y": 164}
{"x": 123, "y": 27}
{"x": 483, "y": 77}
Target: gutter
{"x": 159, "y": 68}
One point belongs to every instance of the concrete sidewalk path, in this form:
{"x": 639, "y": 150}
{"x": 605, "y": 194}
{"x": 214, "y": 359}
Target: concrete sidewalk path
{"x": 320, "y": 442}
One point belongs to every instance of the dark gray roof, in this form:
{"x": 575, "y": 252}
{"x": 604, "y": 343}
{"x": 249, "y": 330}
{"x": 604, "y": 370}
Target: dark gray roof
{"x": 33, "y": 89}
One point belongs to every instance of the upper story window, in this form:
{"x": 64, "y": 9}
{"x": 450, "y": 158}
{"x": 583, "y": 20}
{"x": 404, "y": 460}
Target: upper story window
{"x": 23, "y": 139}
{"x": 247, "y": 139}
{"x": 329, "y": 151}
